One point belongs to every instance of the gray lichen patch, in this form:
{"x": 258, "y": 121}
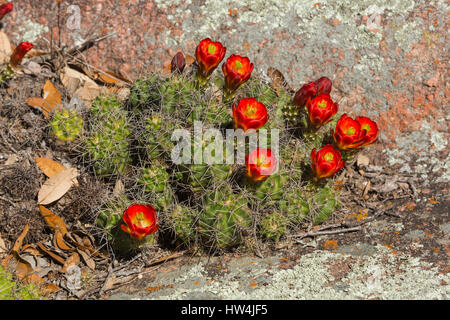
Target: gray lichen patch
{"x": 380, "y": 275}
{"x": 433, "y": 142}
{"x": 30, "y": 31}
{"x": 257, "y": 22}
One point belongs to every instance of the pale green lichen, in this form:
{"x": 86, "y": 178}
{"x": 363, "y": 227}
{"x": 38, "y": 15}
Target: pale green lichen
{"x": 30, "y": 31}
{"x": 408, "y": 34}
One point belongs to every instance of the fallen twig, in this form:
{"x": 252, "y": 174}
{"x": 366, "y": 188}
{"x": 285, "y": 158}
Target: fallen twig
{"x": 321, "y": 233}
{"x": 166, "y": 258}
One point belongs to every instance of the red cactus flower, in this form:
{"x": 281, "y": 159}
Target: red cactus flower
{"x": 236, "y": 70}
{"x": 5, "y": 8}
{"x": 260, "y": 164}
{"x": 19, "y": 52}
{"x": 178, "y": 63}
{"x": 140, "y": 220}
{"x": 323, "y": 85}
{"x": 371, "y": 130}
{"x": 326, "y": 162}
{"x": 308, "y": 91}
{"x": 209, "y": 54}
{"x": 321, "y": 109}
{"x": 249, "y": 114}
{"x": 348, "y": 133}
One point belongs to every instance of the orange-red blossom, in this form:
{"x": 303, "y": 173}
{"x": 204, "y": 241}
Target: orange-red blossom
{"x": 209, "y": 54}
{"x": 354, "y": 134}
{"x": 326, "y": 162}
{"x": 140, "y": 221}
{"x": 236, "y": 70}
{"x": 249, "y": 114}
{"x": 260, "y": 164}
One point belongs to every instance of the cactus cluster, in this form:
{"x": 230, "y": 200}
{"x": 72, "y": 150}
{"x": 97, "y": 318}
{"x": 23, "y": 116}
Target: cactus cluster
{"x": 200, "y": 203}
{"x": 214, "y": 205}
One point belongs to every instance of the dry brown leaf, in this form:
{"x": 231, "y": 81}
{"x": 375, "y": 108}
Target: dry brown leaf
{"x": 49, "y": 289}
{"x": 55, "y": 187}
{"x": 74, "y": 259}
{"x": 5, "y": 48}
{"x": 31, "y": 249}
{"x": 119, "y": 188}
{"x": 50, "y": 101}
{"x": 189, "y": 60}
{"x": 2, "y": 245}
{"x": 34, "y": 279}
{"x": 59, "y": 242}
{"x": 49, "y": 167}
{"x": 278, "y": 80}
{"x": 55, "y": 257}
{"x": 51, "y": 95}
{"x": 109, "y": 283}
{"x": 88, "y": 92}
{"x": 18, "y": 244}
{"x": 87, "y": 259}
{"x": 23, "y": 268}
{"x": 41, "y": 104}
{"x": 109, "y": 77}
{"x": 73, "y": 79}
{"x": 53, "y": 221}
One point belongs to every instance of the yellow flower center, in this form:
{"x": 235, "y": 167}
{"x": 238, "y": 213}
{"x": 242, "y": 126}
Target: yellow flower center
{"x": 212, "y": 49}
{"x": 261, "y": 160}
{"x": 350, "y": 131}
{"x": 328, "y": 157}
{"x": 250, "y": 110}
{"x": 238, "y": 65}
{"x": 139, "y": 220}
{"x": 322, "y": 104}
{"x": 366, "y": 127}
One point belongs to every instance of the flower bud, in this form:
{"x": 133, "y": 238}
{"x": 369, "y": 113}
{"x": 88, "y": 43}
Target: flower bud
{"x": 308, "y": 91}
{"x": 5, "y": 8}
{"x": 178, "y": 63}
{"x": 19, "y": 52}
{"x": 323, "y": 85}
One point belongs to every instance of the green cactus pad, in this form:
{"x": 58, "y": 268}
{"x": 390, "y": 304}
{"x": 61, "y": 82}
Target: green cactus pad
{"x": 107, "y": 146}
{"x": 273, "y": 226}
{"x": 182, "y": 221}
{"x": 67, "y": 125}
{"x": 155, "y": 181}
{"x": 325, "y": 202}
{"x": 223, "y": 219}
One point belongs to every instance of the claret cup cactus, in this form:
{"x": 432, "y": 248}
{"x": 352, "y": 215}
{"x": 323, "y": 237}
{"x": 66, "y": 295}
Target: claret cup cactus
{"x": 281, "y": 183}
